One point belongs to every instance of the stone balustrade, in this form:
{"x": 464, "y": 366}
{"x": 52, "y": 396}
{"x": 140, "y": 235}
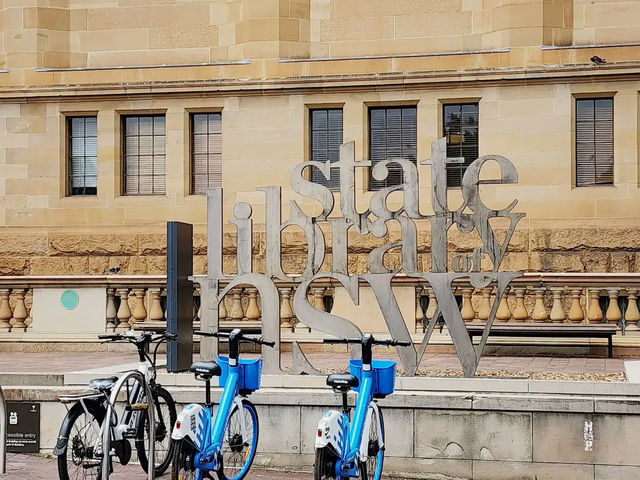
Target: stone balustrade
{"x": 138, "y": 302}
{"x": 547, "y": 298}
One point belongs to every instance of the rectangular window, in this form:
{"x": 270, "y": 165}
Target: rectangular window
{"x": 594, "y": 141}
{"x": 460, "y": 123}
{"x": 206, "y": 151}
{"x": 326, "y": 138}
{"x": 83, "y": 155}
{"x": 392, "y": 134}
{"x": 144, "y": 155}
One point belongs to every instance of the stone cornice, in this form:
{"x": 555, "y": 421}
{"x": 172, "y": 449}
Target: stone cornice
{"x": 301, "y": 84}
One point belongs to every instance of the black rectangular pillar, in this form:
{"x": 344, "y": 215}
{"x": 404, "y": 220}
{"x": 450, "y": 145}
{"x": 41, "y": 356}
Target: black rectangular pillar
{"x": 179, "y": 295}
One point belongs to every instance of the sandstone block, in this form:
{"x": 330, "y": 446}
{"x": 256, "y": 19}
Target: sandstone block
{"x": 152, "y": 244}
{"x": 157, "y": 265}
{"x": 14, "y": 266}
{"x": 87, "y": 244}
{"x": 59, "y": 266}
{"x": 555, "y": 262}
{"x": 35, "y": 244}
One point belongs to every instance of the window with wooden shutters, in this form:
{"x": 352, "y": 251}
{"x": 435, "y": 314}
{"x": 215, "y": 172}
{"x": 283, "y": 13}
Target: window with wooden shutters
{"x": 461, "y": 131}
{"x": 326, "y": 138}
{"x": 144, "y": 155}
{"x": 392, "y": 134}
{"x": 83, "y": 155}
{"x": 594, "y": 141}
{"x": 206, "y": 151}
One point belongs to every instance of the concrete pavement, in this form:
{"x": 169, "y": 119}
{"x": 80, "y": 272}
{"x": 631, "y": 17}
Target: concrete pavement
{"x": 37, "y": 467}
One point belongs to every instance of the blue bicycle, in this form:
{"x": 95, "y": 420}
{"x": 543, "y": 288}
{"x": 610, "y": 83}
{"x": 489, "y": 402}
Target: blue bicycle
{"x": 355, "y": 448}
{"x": 225, "y": 443}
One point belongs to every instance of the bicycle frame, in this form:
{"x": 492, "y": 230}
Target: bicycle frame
{"x": 107, "y": 429}
{"x": 207, "y": 434}
{"x": 357, "y": 431}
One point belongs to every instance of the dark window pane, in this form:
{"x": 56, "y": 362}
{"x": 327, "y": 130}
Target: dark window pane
{"x": 392, "y": 134}
{"x": 461, "y": 132}
{"x": 206, "y": 151}
{"x": 144, "y": 155}
{"x": 594, "y": 141}
{"x": 326, "y": 138}
{"x": 82, "y": 155}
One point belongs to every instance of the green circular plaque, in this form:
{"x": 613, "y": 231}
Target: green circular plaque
{"x": 69, "y": 299}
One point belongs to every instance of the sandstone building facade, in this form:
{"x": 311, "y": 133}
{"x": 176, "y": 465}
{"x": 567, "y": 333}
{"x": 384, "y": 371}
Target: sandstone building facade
{"x": 115, "y": 114}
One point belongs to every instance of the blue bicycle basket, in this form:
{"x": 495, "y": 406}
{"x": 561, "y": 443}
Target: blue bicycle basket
{"x": 384, "y": 375}
{"x": 250, "y": 372}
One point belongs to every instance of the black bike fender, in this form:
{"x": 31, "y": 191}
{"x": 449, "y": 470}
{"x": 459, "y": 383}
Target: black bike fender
{"x": 91, "y": 405}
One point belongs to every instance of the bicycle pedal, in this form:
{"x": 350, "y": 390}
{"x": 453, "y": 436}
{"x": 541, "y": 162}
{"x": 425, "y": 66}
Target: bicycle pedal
{"x": 135, "y": 407}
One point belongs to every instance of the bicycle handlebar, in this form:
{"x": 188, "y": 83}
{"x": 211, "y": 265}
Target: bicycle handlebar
{"x": 388, "y": 343}
{"x": 257, "y": 341}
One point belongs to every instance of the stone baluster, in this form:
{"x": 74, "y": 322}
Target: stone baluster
{"x": 294, "y": 320}
{"x": 632, "y": 314}
{"x": 576, "y": 313}
{"x": 155, "y": 306}
{"x": 5, "y": 310}
{"x": 29, "y": 305}
{"x": 433, "y": 304}
{"x": 111, "y": 310}
{"x": 318, "y": 299}
{"x": 594, "y": 315}
{"x": 419, "y": 315}
{"x": 139, "y": 311}
{"x": 236, "y": 307}
{"x": 19, "y": 311}
{"x": 520, "y": 313}
{"x": 540, "y": 313}
{"x": 124, "y": 312}
{"x": 614, "y": 315}
{"x": 222, "y": 309}
{"x": 557, "y": 311}
{"x": 504, "y": 312}
{"x": 467, "y": 311}
{"x": 253, "y": 311}
{"x": 484, "y": 309}
{"x": 285, "y": 310}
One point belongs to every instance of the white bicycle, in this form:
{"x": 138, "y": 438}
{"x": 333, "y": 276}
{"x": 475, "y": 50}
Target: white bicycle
{"x": 138, "y": 409}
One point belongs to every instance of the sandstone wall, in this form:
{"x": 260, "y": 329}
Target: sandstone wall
{"x": 537, "y": 246}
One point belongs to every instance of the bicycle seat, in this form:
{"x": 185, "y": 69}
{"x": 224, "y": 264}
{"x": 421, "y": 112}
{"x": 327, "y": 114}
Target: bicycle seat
{"x": 342, "y": 382}
{"x": 206, "y": 369}
{"x": 103, "y": 384}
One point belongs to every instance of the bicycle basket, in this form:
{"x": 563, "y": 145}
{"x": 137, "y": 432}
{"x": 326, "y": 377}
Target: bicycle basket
{"x": 384, "y": 375}
{"x": 250, "y": 372}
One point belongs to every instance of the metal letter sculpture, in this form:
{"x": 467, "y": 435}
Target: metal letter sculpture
{"x": 472, "y": 215}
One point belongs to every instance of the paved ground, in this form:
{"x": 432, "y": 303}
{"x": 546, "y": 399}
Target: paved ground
{"x": 432, "y": 364}
{"x": 36, "y": 467}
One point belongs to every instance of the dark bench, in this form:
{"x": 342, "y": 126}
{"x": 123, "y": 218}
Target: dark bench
{"x": 548, "y": 330}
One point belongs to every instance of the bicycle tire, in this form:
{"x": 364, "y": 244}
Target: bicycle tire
{"x": 234, "y": 447}
{"x": 182, "y": 467}
{"x": 163, "y": 431}
{"x": 372, "y": 468}
{"x": 325, "y": 465}
{"x": 97, "y": 412}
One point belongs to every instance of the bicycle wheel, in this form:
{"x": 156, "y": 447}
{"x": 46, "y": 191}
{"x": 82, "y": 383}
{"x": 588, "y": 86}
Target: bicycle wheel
{"x": 82, "y": 429}
{"x": 238, "y": 451}
{"x": 182, "y": 468}
{"x": 325, "y": 465}
{"x": 371, "y": 469}
{"x": 165, "y": 418}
